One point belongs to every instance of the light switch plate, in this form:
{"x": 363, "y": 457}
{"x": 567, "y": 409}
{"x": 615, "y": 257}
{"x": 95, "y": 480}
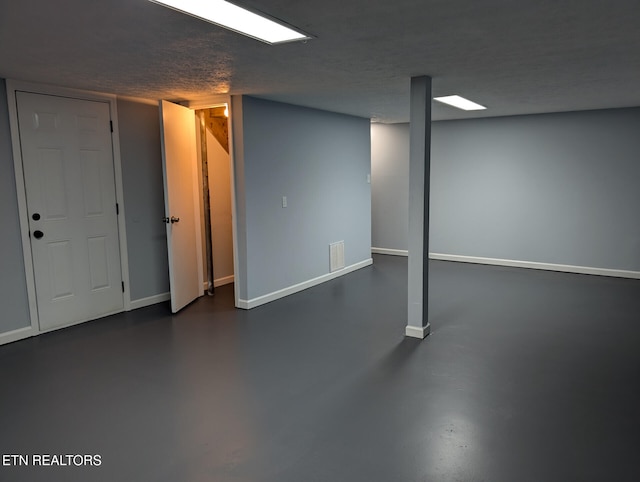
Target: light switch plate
{"x": 284, "y": 201}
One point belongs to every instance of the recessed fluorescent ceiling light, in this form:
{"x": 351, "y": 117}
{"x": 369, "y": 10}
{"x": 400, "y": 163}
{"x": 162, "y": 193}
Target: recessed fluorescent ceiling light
{"x": 235, "y": 18}
{"x": 459, "y": 102}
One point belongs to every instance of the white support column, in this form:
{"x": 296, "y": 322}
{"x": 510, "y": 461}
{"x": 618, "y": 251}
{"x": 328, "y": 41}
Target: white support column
{"x": 419, "y": 175}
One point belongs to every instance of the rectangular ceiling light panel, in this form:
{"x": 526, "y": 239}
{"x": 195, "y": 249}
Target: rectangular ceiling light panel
{"x": 459, "y": 102}
{"x": 235, "y": 18}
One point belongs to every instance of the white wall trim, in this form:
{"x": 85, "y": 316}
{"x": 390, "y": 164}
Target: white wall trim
{"x": 213, "y": 101}
{"x": 22, "y": 203}
{"x": 565, "y": 268}
{"x": 420, "y": 332}
{"x": 237, "y": 274}
{"x": 15, "y": 335}
{"x": 122, "y": 225}
{"x": 150, "y": 300}
{"x": 216, "y": 100}
{"x": 218, "y": 282}
{"x": 389, "y": 251}
{"x": 276, "y": 295}
{"x": 223, "y": 281}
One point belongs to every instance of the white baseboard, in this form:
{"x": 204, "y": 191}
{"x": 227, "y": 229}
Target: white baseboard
{"x": 150, "y": 300}
{"x": 29, "y": 331}
{"x": 218, "y": 282}
{"x": 565, "y": 268}
{"x": 223, "y": 281}
{"x": 15, "y": 335}
{"x": 392, "y": 252}
{"x": 417, "y": 331}
{"x": 268, "y": 298}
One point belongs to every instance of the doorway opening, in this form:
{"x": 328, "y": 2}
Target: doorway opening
{"x": 214, "y": 160}
{"x": 195, "y": 162}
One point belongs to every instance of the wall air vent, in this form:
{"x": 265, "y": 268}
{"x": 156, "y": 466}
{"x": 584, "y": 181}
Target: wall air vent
{"x": 336, "y": 256}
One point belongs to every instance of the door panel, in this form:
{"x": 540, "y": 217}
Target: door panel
{"x": 98, "y": 263}
{"x": 90, "y": 161}
{"x": 52, "y": 183}
{"x": 61, "y": 270}
{"x": 181, "y": 195}
{"x": 70, "y": 188}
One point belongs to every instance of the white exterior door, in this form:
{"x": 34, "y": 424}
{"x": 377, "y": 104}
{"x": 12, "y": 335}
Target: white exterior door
{"x": 182, "y": 203}
{"x": 67, "y": 157}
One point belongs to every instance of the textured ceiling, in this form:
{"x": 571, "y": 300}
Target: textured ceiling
{"x": 514, "y": 56}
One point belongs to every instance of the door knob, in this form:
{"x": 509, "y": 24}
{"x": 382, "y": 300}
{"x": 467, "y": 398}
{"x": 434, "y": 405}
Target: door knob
{"x": 174, "y": 219}
{"x": 165, "y": 220}
{"x": 35, "y": 216}
{"x": 38, "y": 234}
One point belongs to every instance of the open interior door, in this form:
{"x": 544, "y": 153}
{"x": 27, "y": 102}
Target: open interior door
{"x": 182, "y": 204}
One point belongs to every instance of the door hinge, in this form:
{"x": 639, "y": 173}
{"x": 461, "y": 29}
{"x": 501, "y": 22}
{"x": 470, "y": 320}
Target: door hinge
{"x": 111, "y": 125}
{"x": 117, "y": 209}
{"x": 123, "y": 286}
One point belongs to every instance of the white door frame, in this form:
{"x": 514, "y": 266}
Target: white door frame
{"x": 36, "y": 88}
{"x": 216, "y": 101}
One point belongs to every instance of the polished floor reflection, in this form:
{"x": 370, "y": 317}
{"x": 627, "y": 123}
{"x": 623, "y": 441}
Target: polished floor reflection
{"x": 526, "y": 376}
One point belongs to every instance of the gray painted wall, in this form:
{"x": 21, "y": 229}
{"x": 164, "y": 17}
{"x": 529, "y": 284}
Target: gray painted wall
{"x": 552, "y": 188}
{"x": 390, "y": 186}
{"x": 139, "y": 126}
{"x": 13, "y": 284}
{"x": 320, "y": 161}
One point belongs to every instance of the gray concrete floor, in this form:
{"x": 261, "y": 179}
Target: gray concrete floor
{"x": 527, "y": 376}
